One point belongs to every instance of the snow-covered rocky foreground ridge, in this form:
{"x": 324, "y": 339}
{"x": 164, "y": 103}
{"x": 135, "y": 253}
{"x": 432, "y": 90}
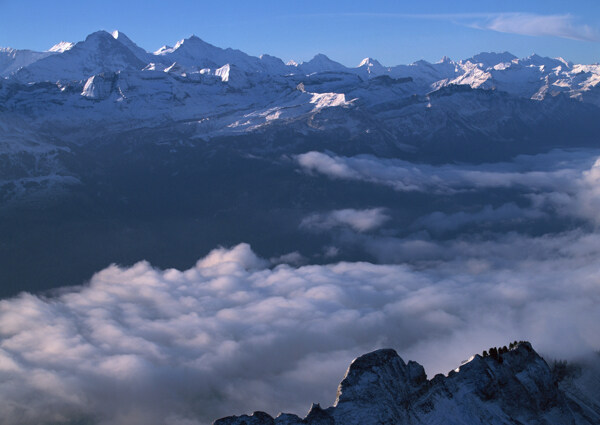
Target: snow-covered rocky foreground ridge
{"x": 514, "y": 387}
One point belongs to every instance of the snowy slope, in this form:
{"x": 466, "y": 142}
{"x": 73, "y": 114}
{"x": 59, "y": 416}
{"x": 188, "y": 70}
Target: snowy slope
{"x": 61, "y": 47}
{"x": 11, "y": 60}
{"x": 320, "y": 63}
{"x": 140, "y": 53}
{"x": 369, "y": 67}
{"x": 99, "y": 52}
{"x": 197, "y": 54}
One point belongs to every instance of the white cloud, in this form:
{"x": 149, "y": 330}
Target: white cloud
{"x": 544, "y": 171}
{"x": 140, "y": 345}
{"x": 532, "y": 24}
{"x": 563, "y": 183}
{"x": 359, "y": 220}
{"x": 563, "y": 26}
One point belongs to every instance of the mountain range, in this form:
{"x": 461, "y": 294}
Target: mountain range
{"x": 106, "y": 87}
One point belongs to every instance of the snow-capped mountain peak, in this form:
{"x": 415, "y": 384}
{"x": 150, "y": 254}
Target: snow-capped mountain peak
{"x": 536, "y": 60}
{"x": 372, "y": 67}
{"x": 163, "y": 50}
{"x": 61, "y": 47}
{"x": 120, "y": 35}
{"x": 127, "y": 42}
{"x": 567, "y": 63}
{"x": 192, "y": 42}
{"x": 272, "y": 64}
{"x": 12, "y": 60}
{"x": 369, "y": 62}
{"x": 193, "y": 39}
{"x": 321, "y": 63}
{"x": 96, "y": 36}
{"x": 195, "y": 53}
{"x": 99, "y": 52}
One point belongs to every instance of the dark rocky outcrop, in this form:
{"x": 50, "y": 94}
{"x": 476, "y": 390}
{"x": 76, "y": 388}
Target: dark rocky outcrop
{"x": 515, "y": 386}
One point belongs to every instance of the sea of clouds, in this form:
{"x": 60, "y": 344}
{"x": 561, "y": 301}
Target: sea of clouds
{"x": 237, "y": 333}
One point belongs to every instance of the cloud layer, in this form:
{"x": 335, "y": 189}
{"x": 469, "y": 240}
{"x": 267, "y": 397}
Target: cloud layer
{"x": 562, "y": 183}
{"x": 555, "y": 169}
{"x": 139, "y": 345}
{"x": 234, "y": 333}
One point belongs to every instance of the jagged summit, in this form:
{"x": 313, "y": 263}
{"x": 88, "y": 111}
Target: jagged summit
{"x": 321, "y": 63}
{"x": 61, "y": 47}
{"x": 320, "y": 57}
{"x": 192, "y": 40}
{"x": 370, "y": 62}
{"x": 421, "y": 62}
{"x": 372, "y": 67}
{"x": 12, "y": 60}
{"x": 373, "y": 359}
{"x": 127, "y": 42}
{"x": 272, "y": 64}
{"x": 546, "y": 62}
{"x": 514, "y": 386}
{"x": 99, "y": 53}
{"x": 195, "y": 53}
{"x": 97, "y": 35}
{"x": 163, "y": 49}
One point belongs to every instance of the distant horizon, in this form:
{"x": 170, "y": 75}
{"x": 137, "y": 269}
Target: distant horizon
{"x": 392, "y": 32}
{"x": 455, "y": 59}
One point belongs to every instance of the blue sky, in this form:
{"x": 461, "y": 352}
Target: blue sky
{"x": 393, "y": 32}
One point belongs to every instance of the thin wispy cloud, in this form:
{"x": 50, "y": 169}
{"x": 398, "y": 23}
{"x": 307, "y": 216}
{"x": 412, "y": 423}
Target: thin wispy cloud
{"x": 530, "y": 24}
{"x": 359, "y": 220}
{"x": 563, "y": 26}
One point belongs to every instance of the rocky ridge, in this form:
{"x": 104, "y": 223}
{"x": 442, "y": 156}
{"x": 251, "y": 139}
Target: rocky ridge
{"x": 511, "y": 386}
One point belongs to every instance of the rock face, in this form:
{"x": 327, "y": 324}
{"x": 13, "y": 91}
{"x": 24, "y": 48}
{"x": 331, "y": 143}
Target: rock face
{"x": 515, "y": 387}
